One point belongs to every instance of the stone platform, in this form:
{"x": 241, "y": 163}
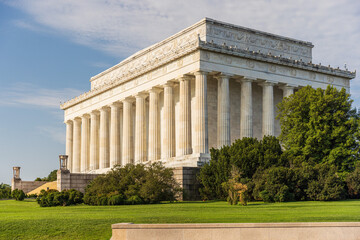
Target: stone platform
{"x": 238, "y": 231}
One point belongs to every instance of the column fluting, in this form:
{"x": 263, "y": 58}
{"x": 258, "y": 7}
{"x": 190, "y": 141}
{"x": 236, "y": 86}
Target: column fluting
{"x": 104, "y": 151}
{"x": 77, "y": 145}
{"x": 140, "y": 129}
{"x": 154, "y": 125}
{"x": 115, "y": 157}
{"x": 223, "y": 111}
{"x": 69, "y": 144}
{"x": 169, "y": 124}
{"x": 94, "y": 140}
{"x": 85, "y": 143}
{"x": 185, "y": 117}
{"x": 201, "y": 142}
{"x": 246, "y": 115}
{"x": 287, "y": 90}
{"x": 127, "y": 138}
{"x": 268, "y": 118}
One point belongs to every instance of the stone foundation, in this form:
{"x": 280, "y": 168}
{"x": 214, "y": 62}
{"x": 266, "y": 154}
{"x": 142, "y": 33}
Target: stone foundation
{"x": 26, "y": 186}
{"x": 237, "y": 231}
{"x": 77, "y": 181}
{"x": 186, "y": 177}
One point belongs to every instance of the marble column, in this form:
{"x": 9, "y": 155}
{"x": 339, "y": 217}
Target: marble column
{"x": 69, "y": 144}
{"x": 169, "y": 122}
{"x": 154, "y": 125}
{"x": 127, "y": 138}
{"x": 185, "y": 117}
{"x": 115, "y": 157}
{"x": 77, "y": 145}
{"x": 94, "y": 140}
{"x": 268, "y": 116}
{"x": 85, "y": 143}
{"x": 201, "y": 141}
{"x": 140, "y": 129}
{"x": 223, "y": 111}
{"x": 246, "y": 115}
{"x": 287, "y": 90}
{"x": 104, "y": 153}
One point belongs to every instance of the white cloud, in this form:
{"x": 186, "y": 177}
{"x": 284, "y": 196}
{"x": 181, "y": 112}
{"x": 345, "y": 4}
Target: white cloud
{"x": 123, "y": 27}
{"x": 25, "y": 94}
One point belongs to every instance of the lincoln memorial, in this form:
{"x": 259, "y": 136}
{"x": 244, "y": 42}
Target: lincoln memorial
{"x": 204, "y": 87}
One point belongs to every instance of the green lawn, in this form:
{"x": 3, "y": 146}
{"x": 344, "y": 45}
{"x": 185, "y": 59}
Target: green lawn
{"x": 26, "y": 220}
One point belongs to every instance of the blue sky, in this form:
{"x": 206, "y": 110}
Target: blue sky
{"x": 49, "y": 49}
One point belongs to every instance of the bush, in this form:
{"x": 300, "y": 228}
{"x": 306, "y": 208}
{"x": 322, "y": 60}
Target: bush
{"x": 34, "y": 195}
{"x": 5, "y": 191}
{"x": 53, "y": 197}
{"x": 353, "y": 183}
{"x": 18, "y": 195}
{"x": 327, "y": 186}
{"x": 133, "y": 184}
{"x": 247, "y": 154}
{"x": 274, "y": 184}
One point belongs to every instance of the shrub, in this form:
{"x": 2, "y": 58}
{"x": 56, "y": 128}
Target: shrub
{"x": 53, "y": 197}
{"x": 18, "y": 195}
{"x": 247, "y": 154}
{"x": 327, "y": 186}
{"x": 353, "y": 183}
{"x": 274, "y": 184}
{"x": 133, "y": 184}
{"x": 5, "y": 191}
{"x": 235, "y": 189}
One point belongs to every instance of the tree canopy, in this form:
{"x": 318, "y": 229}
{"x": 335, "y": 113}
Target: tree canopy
{"x": 321, "y": 126}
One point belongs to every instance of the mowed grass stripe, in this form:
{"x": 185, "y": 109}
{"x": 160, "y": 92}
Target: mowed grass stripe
{"x": 26, "y": 220}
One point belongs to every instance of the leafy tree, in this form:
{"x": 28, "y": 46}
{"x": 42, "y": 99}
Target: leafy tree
{"x": 50, "y": 178}
{"x": 5, "y": 191}
{"x": 321, "y": 127}
{"x": 247, "y": 154}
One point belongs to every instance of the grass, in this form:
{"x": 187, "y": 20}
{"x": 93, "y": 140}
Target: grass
{"x": 26, "y": 220}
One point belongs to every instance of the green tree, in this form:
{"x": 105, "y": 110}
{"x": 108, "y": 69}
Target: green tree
{"x": 321, "y": 127}
{"x": 247, "y": 155}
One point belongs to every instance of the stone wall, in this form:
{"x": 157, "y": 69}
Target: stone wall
{"x": 237, "y": 231}
{"x": 77, "y": 181}
{"x": 186, "y": 177}
{"x": 26, "y": 186}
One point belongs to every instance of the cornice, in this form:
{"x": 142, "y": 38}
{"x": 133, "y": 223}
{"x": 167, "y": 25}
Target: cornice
{"x": 233, "y": 50}
{"x": 209, "y": 46}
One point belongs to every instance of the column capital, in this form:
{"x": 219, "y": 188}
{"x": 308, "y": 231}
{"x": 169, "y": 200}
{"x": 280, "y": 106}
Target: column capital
{"x": 183, "y": 77}
{"x": 168, "y": 84}
{"x": 104, "y": 108}
{"x": 201, "y": 72}
{"x": 140, "y": 95}
{"x": 77, "y": 119}
{"x": 128, "y": 99}
{"x": 223, "y": 75}
{"x": 94, "y": 112}
{"x": 267, "y": 83}
{"x": 115, "y": 104}
{"x": 155, "y": 90}
{"x": 245, "y": 79}
{"x": 85, "y": 116}
{"x": 70, "y": 122}
{"x": 288, "y": 86}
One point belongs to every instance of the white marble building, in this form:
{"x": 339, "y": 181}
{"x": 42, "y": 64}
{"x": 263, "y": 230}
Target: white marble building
{"x": 203, "y": 87}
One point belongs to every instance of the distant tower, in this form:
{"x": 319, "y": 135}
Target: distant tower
{"x": 16, "y": 180}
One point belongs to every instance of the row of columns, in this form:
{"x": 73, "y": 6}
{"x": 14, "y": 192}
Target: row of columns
{"x": 90, "y": 145}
